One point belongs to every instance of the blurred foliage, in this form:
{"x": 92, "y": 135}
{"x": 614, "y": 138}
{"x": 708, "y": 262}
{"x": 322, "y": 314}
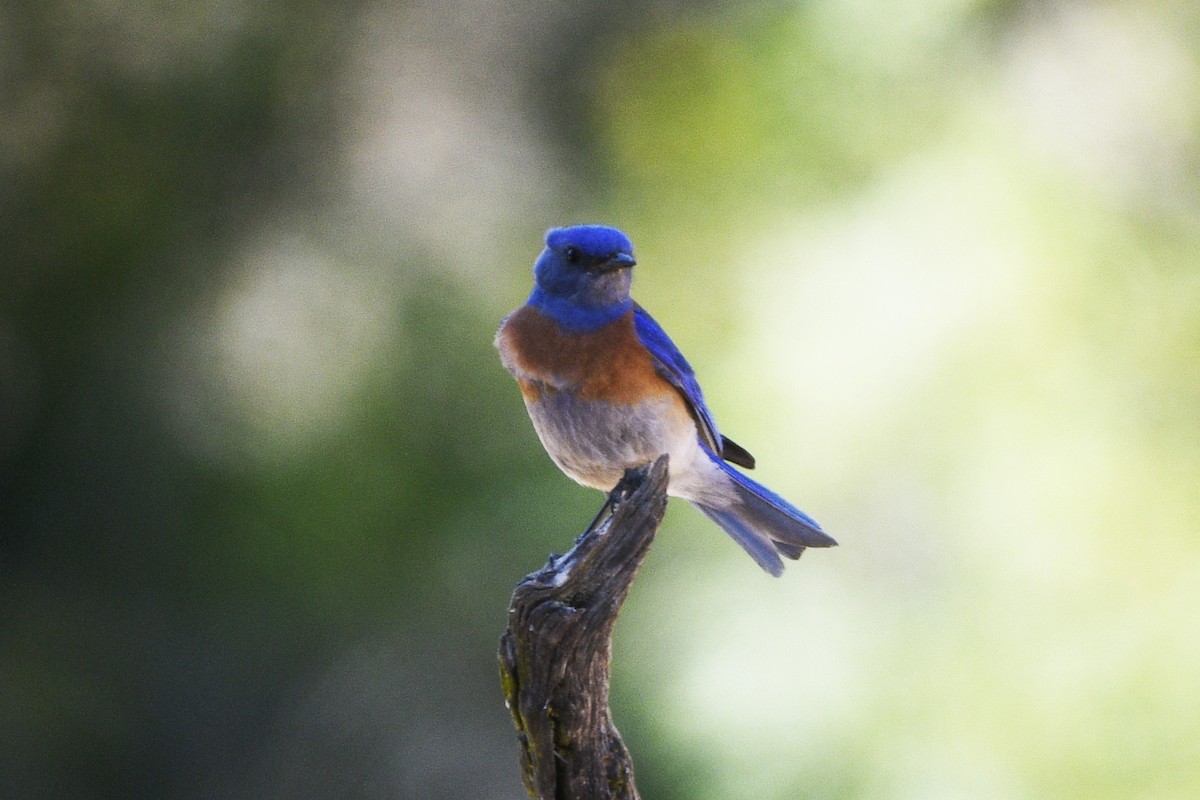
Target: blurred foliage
{"x": 265, "y": 490}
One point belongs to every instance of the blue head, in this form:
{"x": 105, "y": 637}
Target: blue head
{"x": 582, "y": 278}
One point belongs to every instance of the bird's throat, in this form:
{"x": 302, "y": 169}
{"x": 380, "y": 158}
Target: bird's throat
{"x": 577, "y": 316}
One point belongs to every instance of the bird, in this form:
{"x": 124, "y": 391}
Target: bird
{"x": 607, "y": 390}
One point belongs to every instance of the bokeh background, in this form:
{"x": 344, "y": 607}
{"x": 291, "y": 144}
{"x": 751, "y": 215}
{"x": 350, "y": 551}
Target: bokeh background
{"x": 265, "y": 489}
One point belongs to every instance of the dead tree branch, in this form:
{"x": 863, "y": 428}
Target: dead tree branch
{"x": 555, "y": 655}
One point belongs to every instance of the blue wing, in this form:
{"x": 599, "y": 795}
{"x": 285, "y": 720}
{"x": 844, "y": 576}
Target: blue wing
{"x": 671, "y": 364}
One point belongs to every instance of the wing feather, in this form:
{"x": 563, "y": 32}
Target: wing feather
{"x": 671, "y": 364}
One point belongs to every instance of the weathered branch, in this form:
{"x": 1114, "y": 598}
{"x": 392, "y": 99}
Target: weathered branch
{"x": 554, "y": 657}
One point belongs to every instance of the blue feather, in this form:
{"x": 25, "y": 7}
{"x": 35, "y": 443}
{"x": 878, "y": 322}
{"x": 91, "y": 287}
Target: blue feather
{"x": 773, "y": 512}
{"x": 594, "y": 239}
{"x": 758, "y": 545}
{"x": 574, "y": 315}
{"x": 674, "y": 367}
{"x": 763, "y": 523}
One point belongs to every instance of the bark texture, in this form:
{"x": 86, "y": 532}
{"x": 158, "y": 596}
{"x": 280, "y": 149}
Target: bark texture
{"x": 555, "y": 655}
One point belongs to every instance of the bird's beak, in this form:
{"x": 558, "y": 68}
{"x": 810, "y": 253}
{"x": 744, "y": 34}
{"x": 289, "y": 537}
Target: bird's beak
{"x": 617, "y": 261}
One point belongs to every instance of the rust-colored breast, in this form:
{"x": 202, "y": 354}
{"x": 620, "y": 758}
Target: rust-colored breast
{"x": 608, "y": 364}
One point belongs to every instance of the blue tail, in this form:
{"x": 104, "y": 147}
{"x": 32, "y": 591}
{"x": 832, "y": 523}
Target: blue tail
{"x": 765, "y": 524}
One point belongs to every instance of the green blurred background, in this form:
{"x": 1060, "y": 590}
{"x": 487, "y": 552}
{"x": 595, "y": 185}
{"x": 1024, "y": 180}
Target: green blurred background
{"x": 265, "y": 489}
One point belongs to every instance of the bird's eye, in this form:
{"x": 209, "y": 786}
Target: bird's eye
{"x": 572, "y": 254}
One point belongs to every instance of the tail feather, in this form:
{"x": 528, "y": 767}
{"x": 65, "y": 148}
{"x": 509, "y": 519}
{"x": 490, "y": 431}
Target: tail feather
{"x": 775, "y": 516}
{"x": 757, "y": 544}
{"x": 765, "y": 524}
{"x": 792, "y": 551}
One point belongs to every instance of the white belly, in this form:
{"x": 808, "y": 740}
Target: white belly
{"x": 595, "y": 442}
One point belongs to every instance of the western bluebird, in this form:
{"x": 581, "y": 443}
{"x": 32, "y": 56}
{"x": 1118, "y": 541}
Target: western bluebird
{"x": 607, "y": 389}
